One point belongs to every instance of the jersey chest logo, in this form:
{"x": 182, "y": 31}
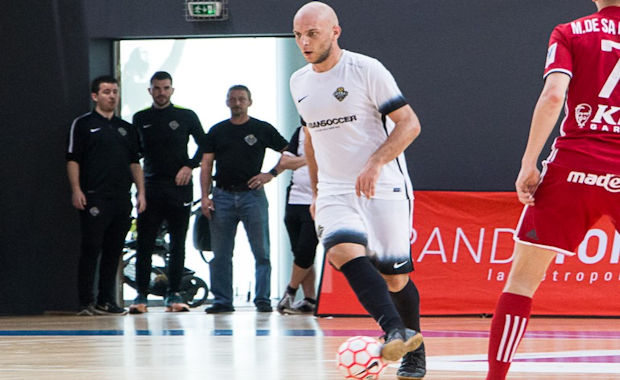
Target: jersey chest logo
{"x": 582, "y": 114}
{"x": 122, "y": 131}
{"x": 174, "y": 124}
{"x": 250, "y": 139}
{"x": 340, "y": 93}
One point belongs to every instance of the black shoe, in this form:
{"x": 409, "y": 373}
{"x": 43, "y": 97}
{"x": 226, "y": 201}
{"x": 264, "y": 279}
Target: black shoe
{"x": 398, "y": 342}
{"x": 219, "y": 308}
{"x": 413, "y": 366}
{"x": 86, "y": 310}
{"x": 264, "y": 307}
{"x": 109, "y": 308}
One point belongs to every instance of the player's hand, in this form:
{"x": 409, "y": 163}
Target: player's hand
{"x": 183, "y": 176}
{"x": 313, "y": 208}
{"x": 207, "y": 206}
{"x": 367, "y": 180}
{"x": 527, "y": 183}
{"x": 78, "y": 200}
{"x": 259, "y": 180}
{"x": 140, "y": 202}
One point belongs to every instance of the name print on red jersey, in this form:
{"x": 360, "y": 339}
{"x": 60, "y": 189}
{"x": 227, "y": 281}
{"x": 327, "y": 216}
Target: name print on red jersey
{"x": 595, "y": 25}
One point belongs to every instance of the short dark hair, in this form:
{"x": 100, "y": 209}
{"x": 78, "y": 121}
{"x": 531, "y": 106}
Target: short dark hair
{"x": 240, "y": 87}
{"x": 96, "y": 83}
{"x": 161, "y": 75}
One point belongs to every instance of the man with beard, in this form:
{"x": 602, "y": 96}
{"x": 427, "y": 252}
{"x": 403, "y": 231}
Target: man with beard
{"x": 164, "y": 130}
{"x": 357, "y": 125}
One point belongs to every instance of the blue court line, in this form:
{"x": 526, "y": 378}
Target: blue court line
{"x": 88, "y": 332}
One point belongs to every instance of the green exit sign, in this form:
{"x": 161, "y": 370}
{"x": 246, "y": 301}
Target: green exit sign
{"x": 205, "y": 9}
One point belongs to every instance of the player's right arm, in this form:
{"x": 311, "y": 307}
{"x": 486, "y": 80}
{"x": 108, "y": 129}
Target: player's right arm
{"x": 78, "y": 199}
{"x": 406, "y": 129}
{"x": 545, "y": 116}
{"x": 312, "y": 169}
{"x": 206, "y": 168}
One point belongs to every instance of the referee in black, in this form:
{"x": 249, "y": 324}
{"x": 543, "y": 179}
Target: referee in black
{"x": 164, "y": 131}
{"x": 102, "y": 161}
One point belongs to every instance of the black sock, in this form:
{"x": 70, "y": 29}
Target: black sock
{"x": 311, "y": 300}
{"x": 372, "y": 292}
{"x": 291, "y": 291}
{"x": 407, "y": 302}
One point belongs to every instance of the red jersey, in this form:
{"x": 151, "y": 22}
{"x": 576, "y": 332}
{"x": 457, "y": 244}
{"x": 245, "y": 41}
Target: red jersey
{"x": 588, "y": 50}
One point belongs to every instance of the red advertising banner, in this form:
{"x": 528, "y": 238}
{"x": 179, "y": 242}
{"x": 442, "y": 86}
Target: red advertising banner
{"x": 462, "y": 250}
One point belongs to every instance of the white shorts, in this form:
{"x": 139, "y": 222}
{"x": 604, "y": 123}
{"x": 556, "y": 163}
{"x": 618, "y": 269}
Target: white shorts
{"x": 383, "y": 226}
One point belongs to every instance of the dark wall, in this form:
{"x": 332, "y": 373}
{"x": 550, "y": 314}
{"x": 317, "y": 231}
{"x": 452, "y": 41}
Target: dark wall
{"x": 44, "y": 85}
{"x": 471, "y": 69}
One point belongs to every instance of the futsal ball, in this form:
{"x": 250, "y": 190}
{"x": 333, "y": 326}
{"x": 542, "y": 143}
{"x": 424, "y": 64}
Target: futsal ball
{"x": 359, "y": 357}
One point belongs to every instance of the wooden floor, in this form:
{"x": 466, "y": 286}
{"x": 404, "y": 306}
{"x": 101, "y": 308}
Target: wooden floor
{"x": 250, "y": 345}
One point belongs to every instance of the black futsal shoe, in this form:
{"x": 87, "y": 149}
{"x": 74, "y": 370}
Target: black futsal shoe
{"x": 400, "y": 341}
{"x": 109, "y": 308}
{"x": 219, "y": 308}
{"x": 413, "y": 366}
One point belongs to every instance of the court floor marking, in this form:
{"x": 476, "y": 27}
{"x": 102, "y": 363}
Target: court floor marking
{"x": 305, "y": 332}
{"x": 577, "y": 361}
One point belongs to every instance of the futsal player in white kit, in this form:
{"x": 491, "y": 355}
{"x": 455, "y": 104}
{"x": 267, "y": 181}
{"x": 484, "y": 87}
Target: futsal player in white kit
{"x": 357, "y": 125}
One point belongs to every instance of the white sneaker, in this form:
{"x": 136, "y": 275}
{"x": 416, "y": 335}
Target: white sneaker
{"x": 304, "y": 307}
{"x": 285, "y": 306}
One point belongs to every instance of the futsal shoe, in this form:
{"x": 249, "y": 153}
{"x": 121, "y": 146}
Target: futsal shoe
{"x": 219, "y": 308}
{"x": 398, "y": 342}
{"x": 86, "y": 311}
{"x": 174, "y": 303}
{"x": 413, "y": 366}
{"x": 109, "y": 308}
{"x": 139, "y": 305}
{"x": 285, "y": 306}
{"x": 263, "y": 307}
{"x": 303, "y": 307}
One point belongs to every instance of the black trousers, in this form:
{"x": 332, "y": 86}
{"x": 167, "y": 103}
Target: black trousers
{"x": 174, "y": 206}
{"x": 104, "y": 224}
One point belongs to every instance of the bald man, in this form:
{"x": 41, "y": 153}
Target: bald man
{"x": 357, "y": 125}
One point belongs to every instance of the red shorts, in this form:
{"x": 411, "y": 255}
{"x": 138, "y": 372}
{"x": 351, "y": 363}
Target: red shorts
{"x": 567, "y": 203}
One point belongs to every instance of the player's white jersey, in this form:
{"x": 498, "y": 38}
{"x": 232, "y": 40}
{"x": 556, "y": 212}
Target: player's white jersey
{"x": 344, "y": 109}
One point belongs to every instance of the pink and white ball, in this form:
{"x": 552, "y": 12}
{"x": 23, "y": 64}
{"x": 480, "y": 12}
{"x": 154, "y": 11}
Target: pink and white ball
{"x": 359, "y": 357}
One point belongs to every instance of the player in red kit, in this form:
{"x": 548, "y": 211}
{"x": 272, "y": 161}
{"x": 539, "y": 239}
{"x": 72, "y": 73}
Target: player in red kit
{"x": 580, "y": 180}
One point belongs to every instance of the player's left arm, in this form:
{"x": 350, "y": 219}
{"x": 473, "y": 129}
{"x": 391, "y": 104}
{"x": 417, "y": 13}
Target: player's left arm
{"x": 184, "y": 175}
{"x": 406, "y": 129}
{"x": 138, "y": 179}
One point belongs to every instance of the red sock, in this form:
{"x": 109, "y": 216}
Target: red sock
{"x": 509, "y": 322}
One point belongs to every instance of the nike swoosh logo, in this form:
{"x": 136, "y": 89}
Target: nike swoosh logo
{"x": 95, "y": 130}
{"x": 371, "y": 366}
{"x": 300, "y": 99}
{"x": 185, "y": 204}
{"x": 146, "y": 126}
{"x": 398, "y": 265}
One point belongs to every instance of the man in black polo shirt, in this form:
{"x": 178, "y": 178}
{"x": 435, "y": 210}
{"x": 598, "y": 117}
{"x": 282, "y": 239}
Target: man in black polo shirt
{"x": 237, "y": 145}
{"x": 102, "y": 161}
{"x": 164, "y": 131}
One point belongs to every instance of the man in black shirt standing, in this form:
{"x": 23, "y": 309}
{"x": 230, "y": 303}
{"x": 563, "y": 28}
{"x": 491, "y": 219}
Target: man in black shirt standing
{"x": 164, "y": 131}
{"x": 102, "y": 161}
{"x": 237, "y": 145}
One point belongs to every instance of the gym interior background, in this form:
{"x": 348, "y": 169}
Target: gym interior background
{"x": 471, "y": 70}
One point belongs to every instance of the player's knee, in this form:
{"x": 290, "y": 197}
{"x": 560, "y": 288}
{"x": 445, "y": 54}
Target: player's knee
{"x": 304, "y": 260}
{"x": 396, "y": 282}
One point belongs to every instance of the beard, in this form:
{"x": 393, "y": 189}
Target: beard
{"x": 323, "y": 56}
{"x": 161, "y": 101}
